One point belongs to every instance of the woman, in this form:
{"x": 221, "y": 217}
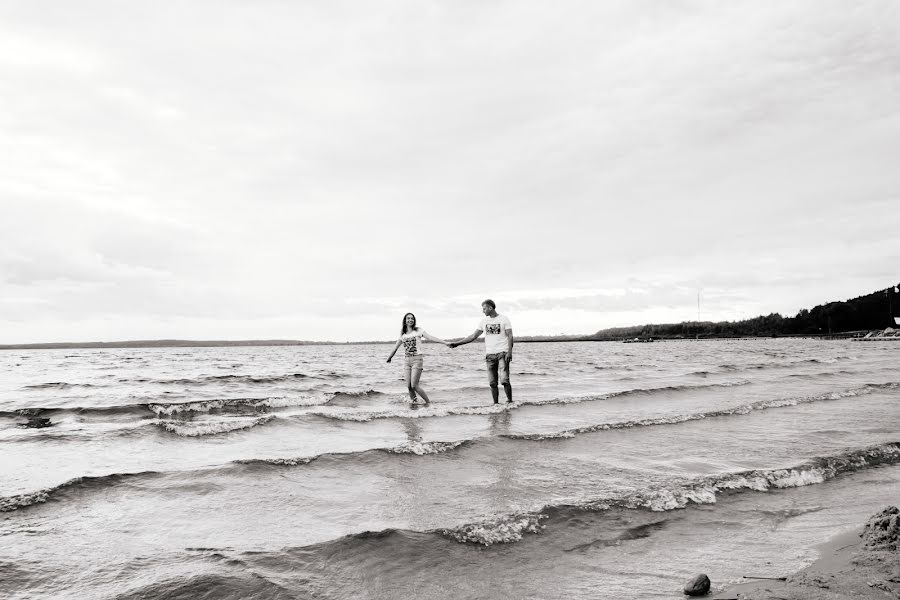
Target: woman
{"x": 412, "y": 339}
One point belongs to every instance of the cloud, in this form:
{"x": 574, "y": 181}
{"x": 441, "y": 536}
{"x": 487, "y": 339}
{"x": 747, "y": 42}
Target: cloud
{"x": 319, "y": 167}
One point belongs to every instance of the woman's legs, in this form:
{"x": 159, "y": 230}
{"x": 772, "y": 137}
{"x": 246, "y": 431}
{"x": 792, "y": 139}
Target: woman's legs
{"x": 409, "y": 384}
{"x": 414, "y": 386}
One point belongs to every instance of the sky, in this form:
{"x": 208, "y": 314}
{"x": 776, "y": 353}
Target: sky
{"x": 313, "y": 170}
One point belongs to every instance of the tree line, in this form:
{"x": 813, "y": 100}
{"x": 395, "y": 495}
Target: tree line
{"x": 870, "y": 312}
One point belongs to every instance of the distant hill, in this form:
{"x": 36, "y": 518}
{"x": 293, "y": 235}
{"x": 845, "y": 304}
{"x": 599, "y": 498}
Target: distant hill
{"x": 873, "y": 311}
{"x": 160, "y": 344}
{"x": 870, "y": 312}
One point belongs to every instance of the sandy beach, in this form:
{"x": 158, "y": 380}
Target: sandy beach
{"x": 858, "y": 564}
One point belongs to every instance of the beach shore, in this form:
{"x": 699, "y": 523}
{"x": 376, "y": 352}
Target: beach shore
{"x": 864, "y": 563}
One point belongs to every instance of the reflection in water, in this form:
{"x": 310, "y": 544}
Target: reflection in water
{"x": 499, "y": 422}
{"x": 413, "y": 430}
{"x": 505, "y": 485}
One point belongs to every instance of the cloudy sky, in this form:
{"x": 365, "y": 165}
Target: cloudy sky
{"x": 311, "y": 170}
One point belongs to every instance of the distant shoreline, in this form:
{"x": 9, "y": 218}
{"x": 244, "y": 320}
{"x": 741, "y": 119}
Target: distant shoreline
{"x": 257, "y": 343}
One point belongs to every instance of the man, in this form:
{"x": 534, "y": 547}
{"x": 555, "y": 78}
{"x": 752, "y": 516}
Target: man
{"x": 498, "y": 345}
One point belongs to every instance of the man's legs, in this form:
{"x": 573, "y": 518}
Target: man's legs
{"x": 504, "y": 377}
{"x": 493, "y": 361}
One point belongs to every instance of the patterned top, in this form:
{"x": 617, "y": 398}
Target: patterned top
{"x": 413, "y": 342}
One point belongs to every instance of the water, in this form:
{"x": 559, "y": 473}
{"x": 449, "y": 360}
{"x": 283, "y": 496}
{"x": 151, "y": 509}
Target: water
{"x": 302, "y": 472}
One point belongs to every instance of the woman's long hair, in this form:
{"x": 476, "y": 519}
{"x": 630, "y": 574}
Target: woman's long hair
{"x": 404, "y": 330}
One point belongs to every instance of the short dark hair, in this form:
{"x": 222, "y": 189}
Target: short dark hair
{"x": 490, "y": 303}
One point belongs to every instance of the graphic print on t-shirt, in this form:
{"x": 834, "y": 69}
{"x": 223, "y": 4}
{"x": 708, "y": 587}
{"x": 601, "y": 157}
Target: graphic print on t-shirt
{"x": 493, "y": 329}
{"x": 410, "y": 345}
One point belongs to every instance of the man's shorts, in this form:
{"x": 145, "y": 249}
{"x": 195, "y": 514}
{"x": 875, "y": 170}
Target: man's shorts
{"x": 414, "y": 363}
{"x": 497, "y": 365}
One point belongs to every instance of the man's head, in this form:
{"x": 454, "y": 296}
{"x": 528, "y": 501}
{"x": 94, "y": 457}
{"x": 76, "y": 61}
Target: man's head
{"x": 489, "y": 308}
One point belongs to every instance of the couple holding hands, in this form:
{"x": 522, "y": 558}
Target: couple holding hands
{"x": 498, "y": 345}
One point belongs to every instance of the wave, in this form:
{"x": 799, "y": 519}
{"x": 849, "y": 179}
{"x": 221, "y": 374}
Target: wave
{"x": 737, "y": 410}
{"x": 331, "y": 404}
{"x": 500, "y": 530}
{"x": 640, "y": 392}
{"x": 41, "y": 411}
{"x": 17, "y": 501}
{"x": 783, "y": 364}
{"x": 235, "y": 404}
{"x": 512, "y": 528}
{"x": 230, "y": 378}
{"x": 263, "y": 404}
{"x": 407, "y": 412}
{"x": 424, "y": 448}
{"x": 161, "y": 409}
{"x": 417, "y": 448}
{"x": 433, "y": 410}
{"x": 203, "y": 428}
{"x": 58, "y": 385}
{"x": 820, "y": 375}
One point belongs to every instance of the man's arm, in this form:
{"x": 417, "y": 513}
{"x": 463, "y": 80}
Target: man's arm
{"x": 469, "y": 338}
{"x": 509, "y": 345}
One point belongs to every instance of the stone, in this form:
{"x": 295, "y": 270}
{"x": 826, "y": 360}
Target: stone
{"x": 882, "y": 531}
{"x": 697, "y": 585}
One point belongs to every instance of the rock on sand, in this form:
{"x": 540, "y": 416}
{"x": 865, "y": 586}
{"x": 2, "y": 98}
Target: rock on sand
{"x": 882, "y": 531}
{"x": 697, "y": 585}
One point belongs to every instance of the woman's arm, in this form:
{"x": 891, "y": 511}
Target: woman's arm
{"x": 394, "y": 351}
{"x": 431, "y": 338}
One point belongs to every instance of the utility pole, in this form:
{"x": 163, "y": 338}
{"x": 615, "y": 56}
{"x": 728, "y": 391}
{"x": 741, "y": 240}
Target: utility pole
{"x": 698, "y": 305}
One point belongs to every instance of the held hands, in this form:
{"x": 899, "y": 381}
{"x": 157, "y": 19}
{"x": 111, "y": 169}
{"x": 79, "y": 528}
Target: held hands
{"x": 452, "y": 344}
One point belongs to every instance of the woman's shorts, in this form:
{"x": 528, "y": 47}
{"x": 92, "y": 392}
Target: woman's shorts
{"x": 414, "y": 363}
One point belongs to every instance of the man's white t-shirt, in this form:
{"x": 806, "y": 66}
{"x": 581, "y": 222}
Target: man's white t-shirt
{"x": 494, "y": 329}
{"x": 413, "y": 342}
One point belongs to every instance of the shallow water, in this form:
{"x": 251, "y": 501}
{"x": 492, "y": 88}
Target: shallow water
{"x": 302, "y": 472}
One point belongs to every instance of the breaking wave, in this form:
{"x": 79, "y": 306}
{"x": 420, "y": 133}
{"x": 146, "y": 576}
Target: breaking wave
{"x": 416, "y": 448}
{"x": 235, "y": 405}
{"x": 704, "y": 490}
{"x": 506, "y": 529}
{"x": 202, "y": 428}
{"x": 168, "y": 409}
{"x": 17, "y": 501}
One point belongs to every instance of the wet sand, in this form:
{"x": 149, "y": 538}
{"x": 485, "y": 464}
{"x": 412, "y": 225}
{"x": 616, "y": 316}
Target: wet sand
{"x": 845, "y": 569}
